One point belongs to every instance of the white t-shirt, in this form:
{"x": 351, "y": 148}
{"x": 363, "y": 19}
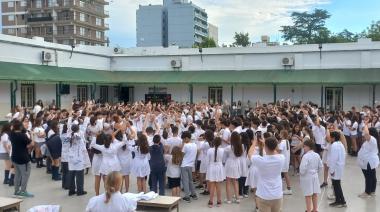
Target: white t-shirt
{"x": 117, "y": 203}
{"x": 37, "y": 131}
{"x": 190, "y": 153}
{"x": 172, "y": 171}
{"x": 354, "y": 126}
{"x": 4, "y": 142}
{"x": 269, "y": 184}
{"x": 284, "y": 146}
{"x": 172, "y": 142}
{"x": 346, "y": 129}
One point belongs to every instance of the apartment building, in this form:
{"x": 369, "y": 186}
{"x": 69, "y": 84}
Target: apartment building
{"x": 176, "y": 22}
{"x": 67, "y": 22}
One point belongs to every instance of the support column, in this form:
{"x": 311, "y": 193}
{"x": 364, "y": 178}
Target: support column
{"x": 191, "y": 93}
{"x": 232, "y": 94}
{"x": 373, "y": 95}
{"x": 13, "y": 89}
{"x": 274, "y": 93}
{"x": 58, "y": 88}
{"x": 322, "y": 89}
{"x": 93, "y": 91}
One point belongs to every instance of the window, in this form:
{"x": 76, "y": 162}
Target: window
{"x": 334, "y": 98}
{"x": 27, "y": 95}
{"x": 52, "y": 3}
{"x": 11, "y": 31}
{"x": 23, "y": 3}
{"x": 11, "y": 18}
{"x": 98, "y": 35}
{"x": 215, "y": 95}
{"x": 11, "y": 4}
{"x": 81, "y": 3}
{"x": 23, "y": 30}
{"x": 82, "y": 17}
{"x": 82, "y": 42}
{"x": 82, "y": 31}
{"x": 38, "y": 3}
{"x": 98, "y": 21}
{"x": 103, "y": 94}
{"x": 82, "y": 93}
{"x": 66, "y": 2}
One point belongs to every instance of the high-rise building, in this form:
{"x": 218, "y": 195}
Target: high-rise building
{"x": 60, "y": 21}
{"x": 176, "y": 22}
{"x": 213, "y": 32}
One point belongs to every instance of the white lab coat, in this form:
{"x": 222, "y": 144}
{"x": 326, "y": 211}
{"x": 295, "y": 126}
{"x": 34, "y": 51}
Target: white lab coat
{"x": 336, "y": 160}
{"x": 78, "y": 157}
{"x": 368, "y": 153}
{"x": 311, "y": 164}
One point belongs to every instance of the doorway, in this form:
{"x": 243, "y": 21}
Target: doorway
{"x": 126, "y": 94}
{"x": 334, "y": 98}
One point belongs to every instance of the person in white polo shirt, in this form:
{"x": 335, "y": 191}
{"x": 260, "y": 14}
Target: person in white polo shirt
{"x": 269, "y": 185}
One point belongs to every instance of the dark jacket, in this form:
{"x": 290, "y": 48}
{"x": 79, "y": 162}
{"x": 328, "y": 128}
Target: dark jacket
{"x": 156, "y": 162}
{"x": 20, "y": 142}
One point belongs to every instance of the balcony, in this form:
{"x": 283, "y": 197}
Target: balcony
{"x": 40, "y": 19}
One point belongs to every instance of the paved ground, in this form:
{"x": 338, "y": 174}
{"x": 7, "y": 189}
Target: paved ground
{"x": 49, "y": 192}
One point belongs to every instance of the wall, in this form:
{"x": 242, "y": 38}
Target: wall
{"x": 5, "y": 99}
{"x": 357, "y": 95}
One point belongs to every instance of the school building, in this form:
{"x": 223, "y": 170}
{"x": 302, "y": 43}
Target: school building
{"x": 336, "y": 76}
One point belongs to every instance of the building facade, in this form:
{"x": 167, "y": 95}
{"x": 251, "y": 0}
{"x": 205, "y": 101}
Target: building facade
{"x": 336, "y": 77}
{"x": 177, "y": 22}
{"x": 213, "y": 32}
{"x": 67, "y": 22}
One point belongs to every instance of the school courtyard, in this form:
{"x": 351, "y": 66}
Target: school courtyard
{"x": 48, "y": 192}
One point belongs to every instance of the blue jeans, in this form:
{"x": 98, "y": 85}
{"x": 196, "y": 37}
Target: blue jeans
{"x": 158, "y": 178}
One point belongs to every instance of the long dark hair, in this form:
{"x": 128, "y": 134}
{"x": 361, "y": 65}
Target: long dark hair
{"x": 142, "y": 143}
{"x": 6, "y": 129}
{"x": 217, "y": 142}
{"x": 74, "y": 129}
{"x": 236, "y": 144}
{"x": 246, "y": 141}
{"x": 374, "y": 133}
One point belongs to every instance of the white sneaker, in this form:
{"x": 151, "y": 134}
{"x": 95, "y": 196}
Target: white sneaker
{"x": 227, "y": 201}
{"x": 364, "y": 195}
{"x": 245, "y": 196}
{"x": 240, "y": 197}
{"x": 288, "y": 192}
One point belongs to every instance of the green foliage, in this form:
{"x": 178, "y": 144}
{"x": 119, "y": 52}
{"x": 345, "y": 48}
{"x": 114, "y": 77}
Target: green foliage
{"x": 307, "y": 27}
{"x": 206, "y": 43}
{"x": 241, "y": 39}
{"x": 373, "y": 31}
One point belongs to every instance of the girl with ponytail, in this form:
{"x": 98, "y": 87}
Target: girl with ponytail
{"x": 215, "y": 174}
{"x": 111, "y": 199}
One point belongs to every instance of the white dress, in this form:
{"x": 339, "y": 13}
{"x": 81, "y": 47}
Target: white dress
{"x": 284, "y": 146}
{"x": 251, "y": 180}
{"x": 125, "y": 159}
{"x": 311, "y": 164}
{"x": 232, "y": 165}
{"x": 215, "y": 170}
{"x": 203, "y": 149}
{"x": 243, "y": 160}
{"x": 110, "y": 162}
{"x": 117, "y": 203}
{"x": 140, "y": 164}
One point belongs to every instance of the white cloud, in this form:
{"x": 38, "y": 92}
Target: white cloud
{"x": 257, "y": 17}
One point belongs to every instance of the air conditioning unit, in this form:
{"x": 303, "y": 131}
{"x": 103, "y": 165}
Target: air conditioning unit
{"x": 117, "y": 50}
{"x": 47, "y": 56}
{"x": 287, "y": 61}
{"x": 176, "y": 63}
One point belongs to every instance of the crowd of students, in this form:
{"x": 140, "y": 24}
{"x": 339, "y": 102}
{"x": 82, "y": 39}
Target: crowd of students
{"x": 190, "y": 147}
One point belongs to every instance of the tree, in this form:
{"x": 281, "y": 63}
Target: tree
{"x": 307, "y": 27}
{"x": 206, "y": 43}
{"x": 241, "y": 39}
{"x": 373, "y": 31}
{"x": 343, "y": 37}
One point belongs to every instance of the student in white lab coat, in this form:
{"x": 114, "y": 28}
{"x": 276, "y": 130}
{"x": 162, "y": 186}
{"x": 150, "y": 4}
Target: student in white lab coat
{"x": 78, "y": 160}
{"x": 112, "y": 199}
{"x": 284, "y": 149}
{"x": 368, "y": 160}
{"x": 311, "y": 164}
{"x": 336, "y": 163}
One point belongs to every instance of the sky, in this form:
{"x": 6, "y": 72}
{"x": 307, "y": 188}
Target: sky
{"x": 257, "y": 17}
